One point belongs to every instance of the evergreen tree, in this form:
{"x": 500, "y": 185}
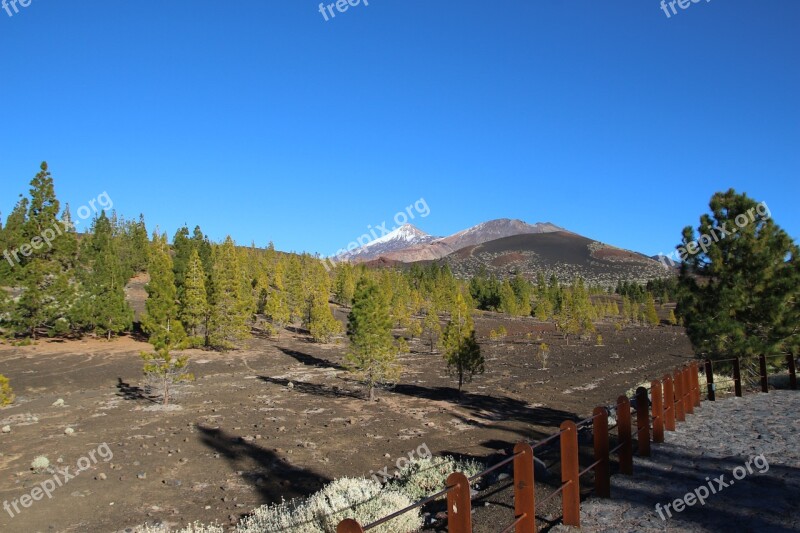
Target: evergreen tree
{"x": 161, "y": 320}
{"x": 372, "y": 355}
{"x": 650, "y": 313}
{"x": 508, "y": 300}
{"x": 166, "y": 370}
{"x": 322, "y": 325}
{"x": 230, "y": 303}
{"x": 740, "y": 292}
{"x": 344, "y": 285}
{"x": 431, "y": 329}
{"x": 462, "y": 353}
{"x": 46, "y": 263}
{"x": 101, "y": 304}
{"x": 194, "y": 302}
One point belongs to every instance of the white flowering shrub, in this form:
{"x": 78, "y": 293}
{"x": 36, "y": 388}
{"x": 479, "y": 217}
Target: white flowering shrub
{"x": 365, "y": 500}
{"x": 40, "y": 464}
{"x": 424, "y": 476}
{"x": 191, "y": 528}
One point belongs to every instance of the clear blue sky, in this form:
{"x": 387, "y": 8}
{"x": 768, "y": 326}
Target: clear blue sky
{"x": 260, "y": 120}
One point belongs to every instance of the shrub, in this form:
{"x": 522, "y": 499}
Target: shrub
{"x": 543, "y": 354}
{"x": 191, "y": 528}
{"x": 6, "y": 394}
{"x": 424, "y": 476}
{"x": 362, "y": 499}
{"x": 40, "y": 464}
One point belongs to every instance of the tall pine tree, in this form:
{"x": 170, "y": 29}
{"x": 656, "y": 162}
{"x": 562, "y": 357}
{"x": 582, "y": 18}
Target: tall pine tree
{"x": 372, "y": 355}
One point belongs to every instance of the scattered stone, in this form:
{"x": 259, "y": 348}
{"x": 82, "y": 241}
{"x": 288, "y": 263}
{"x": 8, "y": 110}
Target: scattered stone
{"x": 58, "y": 403}
{"x": 141, "y": 475}
{"x": 69, "y": 431}
{"x": 100, "y": 477}
{"x": 6, "y": 429}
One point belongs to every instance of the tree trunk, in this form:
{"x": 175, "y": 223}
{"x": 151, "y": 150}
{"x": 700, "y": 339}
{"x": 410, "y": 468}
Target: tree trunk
{"x": 371, "y": 392}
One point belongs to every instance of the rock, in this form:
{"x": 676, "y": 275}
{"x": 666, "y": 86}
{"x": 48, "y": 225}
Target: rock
{"x": 6, "y": 429}
{"x": 100, "y": 477}
{"x": 141, "y": 475}
{"x": 69, "y": 431}
{"x": 172, "y": 482}
{"x": 290, "y": 385}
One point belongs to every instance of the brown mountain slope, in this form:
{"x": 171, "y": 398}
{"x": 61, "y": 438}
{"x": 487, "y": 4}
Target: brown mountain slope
{"x": 565, "y": 254}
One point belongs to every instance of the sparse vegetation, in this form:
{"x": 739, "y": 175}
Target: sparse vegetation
{"x": 6, "y": 393}
{"x": 543, "y": 354}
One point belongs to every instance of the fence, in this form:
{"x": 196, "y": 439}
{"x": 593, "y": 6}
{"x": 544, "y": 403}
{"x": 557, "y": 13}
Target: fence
{"x": 671, "y": 399}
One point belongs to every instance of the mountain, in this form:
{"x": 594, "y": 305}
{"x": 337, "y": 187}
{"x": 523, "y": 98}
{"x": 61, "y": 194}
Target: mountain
{"x": 565, "y": 254}
{"x": 404, "y": 237}
{"x": 484, "y": 232}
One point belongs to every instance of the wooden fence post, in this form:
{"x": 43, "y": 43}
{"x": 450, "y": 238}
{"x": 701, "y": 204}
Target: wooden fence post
{"x": 624, "y": 435}
{"x": 459, "y": 504}
{"x": 669, "y": 404}
{"x": 737, "y": 377}
{"x": 602, "y": 472}
{"x": 688, "y": 400}
{"x": 695, "y": 383}
{"x": 677, "y": 382}
{"x": 571, "y": 494}
{"x": 712, "y": 395}
{"x": 642, "y": 422}
{"x": 524, "y": 493}
{"x": 348, "y": 525}
{"x": 658, "y": 411}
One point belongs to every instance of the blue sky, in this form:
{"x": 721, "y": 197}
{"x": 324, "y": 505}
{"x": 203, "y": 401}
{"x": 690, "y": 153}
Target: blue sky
{"x": 261, "y": 120}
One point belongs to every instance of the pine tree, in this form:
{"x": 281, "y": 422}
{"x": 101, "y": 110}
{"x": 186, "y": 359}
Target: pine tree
{"x": 46, "y": 263}
{"x": 650, "y": 313}
{"x": 739, "y": 293}
{"x": 508, "y": 300}
{"x": 373, "y": 354}
{"x": 194, "y": 303}
{"x": 344, "y": 286}
{"x": 230, "y": 303}
{"x": 672, "y": 320}
{"x": 162, "y": 319}
{"x": 322, "y": 325}
{"x": 431, "y": 328}
{"x": 165, "y": 369}
{"x": 462, "y": 352}
{"x": 101, "y": 304}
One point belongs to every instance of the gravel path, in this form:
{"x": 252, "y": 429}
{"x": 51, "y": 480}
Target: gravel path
{"x": 718, "y": 440}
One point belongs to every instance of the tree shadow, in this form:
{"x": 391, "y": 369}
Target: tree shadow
{"x": 486, "y": 407}
{"x": 132, "y": 392}
{"x": 312, "y": 388}
{"x": 310, "y": 360}
{"x": 273, "y": 477}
